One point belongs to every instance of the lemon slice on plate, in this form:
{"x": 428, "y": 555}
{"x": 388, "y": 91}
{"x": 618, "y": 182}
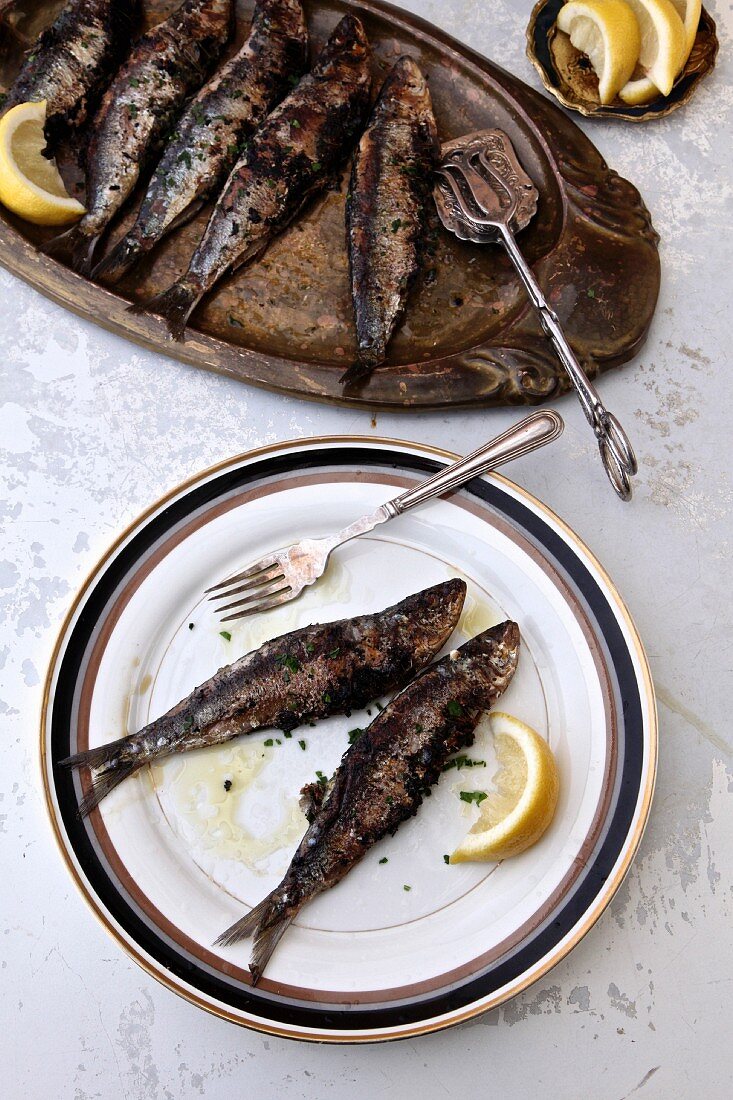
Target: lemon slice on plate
{"x": 518, "y": 812}
{"x": 30, "y": 184}
{"x": 608, "y": 33}
{"x": 644, "y": 90}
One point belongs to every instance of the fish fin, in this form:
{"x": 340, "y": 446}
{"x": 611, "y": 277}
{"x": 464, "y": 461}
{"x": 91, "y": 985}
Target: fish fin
{"x": 245, "y": 926}
{"x": 174, "y": 305}
{"x": 118, "y": 262}
{"x": 102, "y": 784}
{"x": 76, "y": 246}
{"x": 104, "y": 756}
{"x": 265, "y": 943}
{"x": 356, "y": 374}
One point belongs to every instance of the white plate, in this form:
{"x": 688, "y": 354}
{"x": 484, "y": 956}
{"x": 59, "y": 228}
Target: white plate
{"x": 172, "y": 857}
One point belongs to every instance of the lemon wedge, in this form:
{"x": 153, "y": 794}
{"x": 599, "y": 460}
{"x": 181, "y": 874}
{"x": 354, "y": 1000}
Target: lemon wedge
{"x": 608, "y": 33}
{"x": 662, "y": 52}
{"x": 644, "y": 90}
{"x": 518, "y": 812}
{"x": 30, "y": 184}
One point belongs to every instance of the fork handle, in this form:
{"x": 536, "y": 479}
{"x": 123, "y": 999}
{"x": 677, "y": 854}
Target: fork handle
{"x": 534, "y": 431}
{"x": 617, "y": 454}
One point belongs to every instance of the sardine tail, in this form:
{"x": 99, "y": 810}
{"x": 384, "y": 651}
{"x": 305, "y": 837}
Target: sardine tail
{"x": 123, "y": 256}
{"x": 265, "y": 943}
{"x": 245, "y": 926}
{"x": 361, "y": 369}
{"x": 104, "y": 756}
{"x": 74, "y": 246}
{"x": 102, "y": 784}
{"x": 174, "y": 305}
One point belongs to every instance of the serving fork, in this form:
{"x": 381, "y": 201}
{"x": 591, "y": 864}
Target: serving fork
{"x": 281, "y": 576}
{"x": 483, "y": 195}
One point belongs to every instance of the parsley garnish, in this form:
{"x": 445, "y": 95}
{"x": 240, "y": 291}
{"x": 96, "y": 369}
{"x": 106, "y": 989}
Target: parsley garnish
{"x": 269, "y": 743}
{"x": 455, "y": 709}
{"x": 322, "y": 781}
{"x": 384, "y": 860}
{"x": 473, "y": 796}
{"x": 227, "y": 784}
{"x": 407, "y": 888}
{"x": 446, "y": 859}
{"x": 396, "y": 224}
{"x": 185, "y": 158}
{"x": 355, "y": 734}
{"x": 463, "y": 762}
{"x": 302, "y": 745}
{"x": 225, "y": 635}
{"x": 190, "y": 626}
{"x": 309, "y": 648}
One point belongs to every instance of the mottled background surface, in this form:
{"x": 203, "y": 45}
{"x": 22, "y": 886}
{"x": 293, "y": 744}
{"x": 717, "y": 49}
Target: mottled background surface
{"x": 93, "y": 430}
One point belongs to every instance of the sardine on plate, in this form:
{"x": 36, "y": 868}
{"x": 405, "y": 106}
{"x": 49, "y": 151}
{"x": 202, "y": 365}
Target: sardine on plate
{"x": 138, "y": 110}
{"x": 71, "y": 61}
{"x": 291, "y": 157}
{"x": 383, "y": 777}
{"x": 208, "y": 137}
{"x": 311, "y": 673}
{"x": 387, "y": 210}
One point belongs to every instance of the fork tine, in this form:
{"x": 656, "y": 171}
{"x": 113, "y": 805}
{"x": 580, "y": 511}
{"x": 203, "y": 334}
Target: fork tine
{"x": 253, "y": 582}
{"x": 259, "y": 594}
{"x": 255, "y": 567}
{"x": 264, "y": 605}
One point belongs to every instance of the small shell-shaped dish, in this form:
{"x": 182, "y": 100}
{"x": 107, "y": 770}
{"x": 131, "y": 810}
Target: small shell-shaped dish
{"x": 566, "y": 73}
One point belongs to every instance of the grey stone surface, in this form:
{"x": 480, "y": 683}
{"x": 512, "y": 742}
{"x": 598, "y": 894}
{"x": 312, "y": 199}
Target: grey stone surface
{"x": 93, "y": 430}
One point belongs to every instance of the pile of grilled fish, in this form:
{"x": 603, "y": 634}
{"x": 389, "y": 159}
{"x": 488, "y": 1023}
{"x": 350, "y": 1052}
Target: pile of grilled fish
{"x": 322, "y": 670}
{"x": 258, "y": 133}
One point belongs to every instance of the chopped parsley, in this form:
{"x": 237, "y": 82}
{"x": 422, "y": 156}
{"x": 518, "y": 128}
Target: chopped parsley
{"x": 190, "y": 626}
{"x": 463, "y": 762}
{"x": 446, "y": 859}
{"x": 321, "y": 780}
{"x": 473, "y": 796}
{"x": 396, "y": 224}
{"x": 355, "y": 734}
{"x": 227, "y": 784}
{"x": 295, "y": 124}
{"x": 302, "y": 745}
{"x": 407, "y": 888}
{"x": 225, "y": 635}
{"x": 316, "y": 166}
{"x": 188, "y": 724}
{"x": 384, "y": 860}
{"x": 185, "y": 158}
{"x": 288, "y": 662}
{"x": 591, "y": 292}
{"x": 270, "y": 742}
{"x": 309, "y": 648}
{"x": 455, "y": 709}
{"x": 334, "y": 652}
{"x": 287, "y": 734}
{"x": 132, "y": 110}
{"x": 326, "y": 697}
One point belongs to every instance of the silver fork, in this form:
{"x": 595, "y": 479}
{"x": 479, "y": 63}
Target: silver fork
{"x": 482, "y": 194}
{"x": 281, "y": 576}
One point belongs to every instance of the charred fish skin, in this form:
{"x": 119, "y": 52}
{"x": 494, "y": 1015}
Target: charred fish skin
{"x": 383, "y": 777}
{"x": 138, "y": 110}
{"x": 311, "y": 673}
{"x": 387, "y": 207}
{"x": 291, "y": 157}
{"x": 71, "y": 60}
{"x": 207, "y": 139}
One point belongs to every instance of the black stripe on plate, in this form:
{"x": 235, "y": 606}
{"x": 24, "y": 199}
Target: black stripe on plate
{"x": 341, "y": 1018}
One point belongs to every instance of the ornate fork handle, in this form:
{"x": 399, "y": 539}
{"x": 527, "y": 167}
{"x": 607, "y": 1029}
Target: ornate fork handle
{"x": 534, "y": 431}
{"x": 617, "y": 454}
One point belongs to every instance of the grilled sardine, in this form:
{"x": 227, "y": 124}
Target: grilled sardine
{"x": 138, "y": 110}
{"x": 383, "y": 776}
{"x": 387, "y": 208}
{"x": 289, "y": 159}
{"x": 208, "y": 137}
{"x": 310, "y": 673}
{"x": 71, "y": 61}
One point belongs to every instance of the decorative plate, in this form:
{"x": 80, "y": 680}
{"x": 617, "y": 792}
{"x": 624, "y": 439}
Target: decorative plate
{"x": 470, "y": 336}
{"x": 172, "y": 857}
{"x": 566, "y": 74}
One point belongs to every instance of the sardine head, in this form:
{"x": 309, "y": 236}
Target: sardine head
{"x": 426, "y": 620}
